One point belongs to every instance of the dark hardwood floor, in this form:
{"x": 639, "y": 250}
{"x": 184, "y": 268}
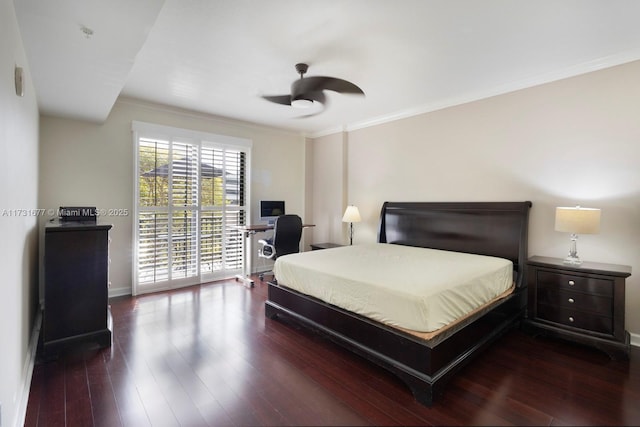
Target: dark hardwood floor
{"x": 206, "y": 355}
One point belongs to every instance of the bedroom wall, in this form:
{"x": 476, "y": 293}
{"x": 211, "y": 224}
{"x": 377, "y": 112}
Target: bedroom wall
{"x": 574, "y": 141}
{"x": 328, "y": 174}
{"x": 92, "y": 164}
{"x": 18, "y": 228}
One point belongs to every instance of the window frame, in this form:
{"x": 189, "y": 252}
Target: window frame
{"x": 143, "y": 130}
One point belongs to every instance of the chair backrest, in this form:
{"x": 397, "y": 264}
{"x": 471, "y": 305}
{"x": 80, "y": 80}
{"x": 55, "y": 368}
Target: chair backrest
{"x": 286, "y": 234}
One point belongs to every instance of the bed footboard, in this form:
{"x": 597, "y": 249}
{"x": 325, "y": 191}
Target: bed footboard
{"x": 423, "y": 367}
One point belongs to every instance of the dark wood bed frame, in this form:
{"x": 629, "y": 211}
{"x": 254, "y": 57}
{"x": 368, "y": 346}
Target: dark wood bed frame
{"x": 489, "y": 228}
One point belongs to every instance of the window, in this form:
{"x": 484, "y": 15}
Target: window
{"x": 191, "y": 194}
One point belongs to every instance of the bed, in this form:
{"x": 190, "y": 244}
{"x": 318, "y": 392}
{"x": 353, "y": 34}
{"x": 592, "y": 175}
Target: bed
{"x": 425, "y": 364}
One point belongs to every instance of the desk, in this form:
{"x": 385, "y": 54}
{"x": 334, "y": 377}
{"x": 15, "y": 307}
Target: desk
{"x": 247, "y": 232}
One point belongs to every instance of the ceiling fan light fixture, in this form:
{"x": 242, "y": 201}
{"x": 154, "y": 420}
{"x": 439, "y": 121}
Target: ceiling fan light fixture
{"x": 303, "y": 104}
{"x": 307, "y": 93}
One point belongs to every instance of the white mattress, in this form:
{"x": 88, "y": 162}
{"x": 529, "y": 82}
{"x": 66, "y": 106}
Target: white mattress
{"x": 413, "y": 288}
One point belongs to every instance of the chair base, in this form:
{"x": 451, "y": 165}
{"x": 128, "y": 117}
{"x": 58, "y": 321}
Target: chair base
{"x": 246, "y": 280}
{"x": 261, "y": 275}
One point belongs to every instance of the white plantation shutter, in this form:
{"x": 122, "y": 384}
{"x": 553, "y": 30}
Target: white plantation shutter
{"x": 191, "y": 194}
{"x": 211, "y": 241}
{"x": 184, "y": 199}
{"x": 223, "y": 193}
{"x": 153, "y": 213}
{"x": 153, "y": 243}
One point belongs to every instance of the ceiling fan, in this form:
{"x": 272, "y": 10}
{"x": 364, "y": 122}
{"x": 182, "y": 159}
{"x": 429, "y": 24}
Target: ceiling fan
{"x": 307, "y": 92}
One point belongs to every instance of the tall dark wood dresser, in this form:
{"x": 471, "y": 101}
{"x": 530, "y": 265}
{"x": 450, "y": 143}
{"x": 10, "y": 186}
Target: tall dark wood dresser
{"x": 76, "y": 276}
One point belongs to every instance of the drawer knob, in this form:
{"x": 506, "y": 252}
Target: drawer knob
{"x": 571, "y": 319}
{"x": 571, "y": 300}
{"x": 571, "y": 283}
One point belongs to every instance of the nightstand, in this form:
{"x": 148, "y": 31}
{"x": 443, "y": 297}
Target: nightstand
{"x": 582, "y": 303}
{"x": 316, "y": 246}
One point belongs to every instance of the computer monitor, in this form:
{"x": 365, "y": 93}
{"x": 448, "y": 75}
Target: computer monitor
{"x": 271, "y": 209}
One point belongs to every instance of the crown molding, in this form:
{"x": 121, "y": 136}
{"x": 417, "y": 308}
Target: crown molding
{"x": 537, "y": 80}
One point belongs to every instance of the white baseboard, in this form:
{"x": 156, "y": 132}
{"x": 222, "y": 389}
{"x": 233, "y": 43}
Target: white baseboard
{"x": 27, "y": 372}
{"x": 635, "y": 340}
{"x": 119, "y": 292}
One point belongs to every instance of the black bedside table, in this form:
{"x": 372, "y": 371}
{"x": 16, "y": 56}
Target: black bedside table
{"x": 583, "y": 303}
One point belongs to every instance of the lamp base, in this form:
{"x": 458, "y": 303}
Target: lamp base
{"x": 572, "y": 260}
{"x": 350, "y": 233}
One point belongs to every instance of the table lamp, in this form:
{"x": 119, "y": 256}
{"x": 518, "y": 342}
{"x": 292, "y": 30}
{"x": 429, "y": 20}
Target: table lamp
{"x": 577, "y": 220}
{"x": 351, "y": 215}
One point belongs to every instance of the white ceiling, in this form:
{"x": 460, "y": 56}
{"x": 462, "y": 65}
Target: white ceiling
{"x": 220, "y": 56}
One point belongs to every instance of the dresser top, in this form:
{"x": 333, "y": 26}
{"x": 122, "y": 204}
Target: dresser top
{"x": 75, "y": 226}
{"x": 585, "y": 267}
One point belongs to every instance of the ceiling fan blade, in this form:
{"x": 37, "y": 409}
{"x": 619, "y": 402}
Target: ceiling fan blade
{"x": 309, "y": 115}
{"x": 279, "y": 99}
{"x": 314, "y": 113}
{"x": 318, "y": 83}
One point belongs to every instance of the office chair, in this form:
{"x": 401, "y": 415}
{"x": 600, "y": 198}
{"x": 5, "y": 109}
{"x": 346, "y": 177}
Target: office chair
{"x": 287, "y": 232}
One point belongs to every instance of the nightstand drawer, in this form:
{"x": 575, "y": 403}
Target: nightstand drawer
{"x": 585, "y": 284}
{"x": 596, "y": 304}
{"x": 576, "y": 319}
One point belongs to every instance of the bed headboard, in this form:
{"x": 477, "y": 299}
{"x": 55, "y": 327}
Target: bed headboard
{"x": 497, "y": 229}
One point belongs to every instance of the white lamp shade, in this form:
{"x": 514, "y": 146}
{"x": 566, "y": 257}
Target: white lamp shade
{"x": 578, "y": 220}
{"x": 351, "y": 214}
